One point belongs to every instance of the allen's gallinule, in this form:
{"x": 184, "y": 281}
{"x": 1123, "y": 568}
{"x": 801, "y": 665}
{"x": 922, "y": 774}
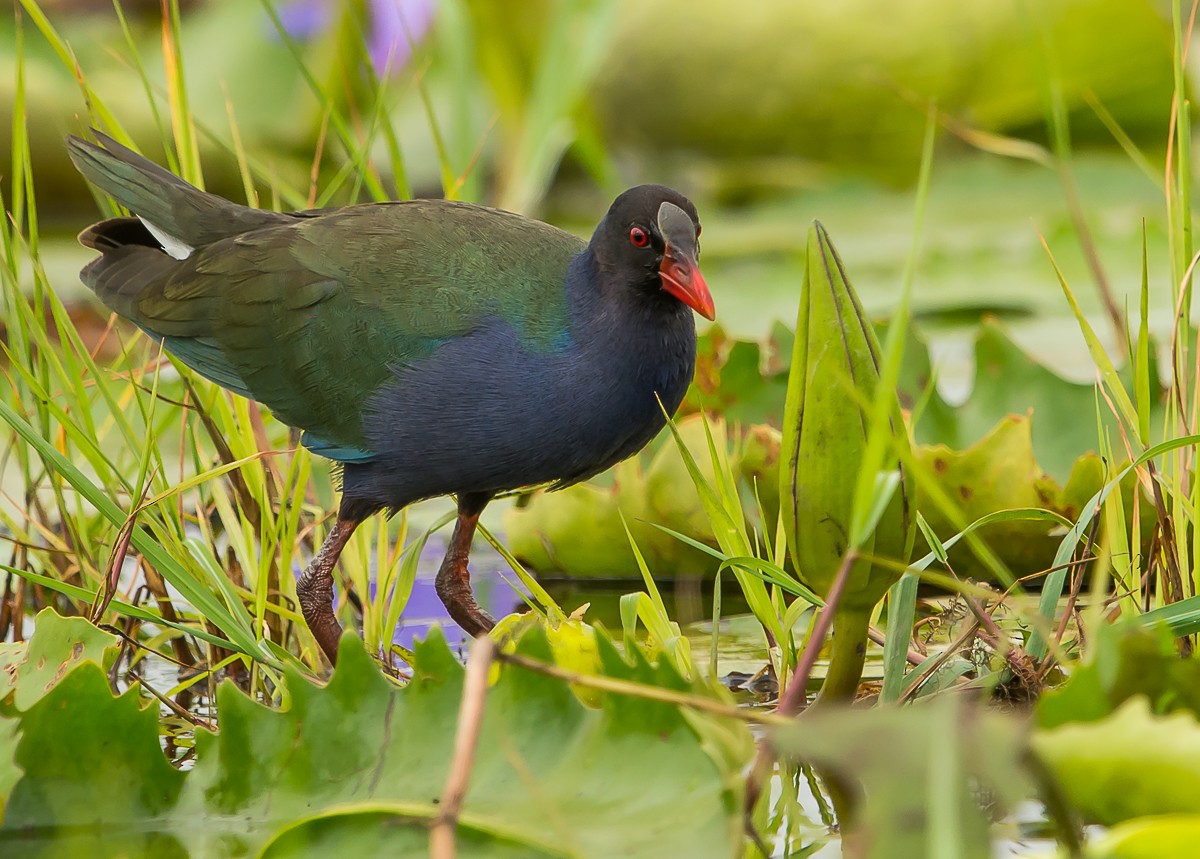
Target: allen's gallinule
{"x": 429, "y": 347}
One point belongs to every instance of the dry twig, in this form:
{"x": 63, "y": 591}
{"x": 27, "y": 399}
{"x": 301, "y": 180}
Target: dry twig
{"x": 470, "y": 719}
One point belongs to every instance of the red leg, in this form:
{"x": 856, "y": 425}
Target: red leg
{"x": 315, "y": 588}
{"x": 454, "y": 579}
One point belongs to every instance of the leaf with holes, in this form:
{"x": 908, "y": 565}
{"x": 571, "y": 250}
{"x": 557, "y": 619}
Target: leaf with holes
{"x": 30, "y": 669}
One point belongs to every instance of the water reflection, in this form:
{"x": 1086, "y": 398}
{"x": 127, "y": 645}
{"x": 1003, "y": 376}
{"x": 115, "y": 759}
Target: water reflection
{"x": 498, "y": 590}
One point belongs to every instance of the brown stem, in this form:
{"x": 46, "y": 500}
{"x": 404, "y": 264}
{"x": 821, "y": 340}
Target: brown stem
{"x": 158, "y": 588}
{"x": 466, "y": 738}
{"x": 913, "y": 657}
{"x": 795, "y": 697}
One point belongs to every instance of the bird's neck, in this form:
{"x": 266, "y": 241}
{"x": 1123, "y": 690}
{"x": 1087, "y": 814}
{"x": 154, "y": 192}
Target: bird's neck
{"x": 591, "y": 296}
{"x": 637, "y": 333}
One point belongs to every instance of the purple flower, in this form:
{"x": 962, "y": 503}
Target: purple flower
{"x": 394, "y": 28}
{"x": 397, "y": 26}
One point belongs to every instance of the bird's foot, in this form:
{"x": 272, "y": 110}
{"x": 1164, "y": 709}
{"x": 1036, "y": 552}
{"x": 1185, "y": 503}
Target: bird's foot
{"x": 315, "y": 593}
{"x": 453, "y": 582}
{"x": 454, "y": 588}
{"x": 314, "y": 590}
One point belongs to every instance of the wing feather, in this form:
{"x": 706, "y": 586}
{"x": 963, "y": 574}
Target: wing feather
{"x": 309, "y": 317}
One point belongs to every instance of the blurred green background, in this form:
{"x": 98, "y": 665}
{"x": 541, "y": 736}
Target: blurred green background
{"x": 769, "y": 114}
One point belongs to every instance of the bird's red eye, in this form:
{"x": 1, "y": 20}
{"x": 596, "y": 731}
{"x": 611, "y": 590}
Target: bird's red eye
{"x": 639, "y": 237}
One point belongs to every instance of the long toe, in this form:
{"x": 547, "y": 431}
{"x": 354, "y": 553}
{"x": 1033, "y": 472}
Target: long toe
{"x": 471, "y": 616}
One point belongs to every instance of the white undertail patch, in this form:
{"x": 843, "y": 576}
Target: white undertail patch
{"x": 173, "y": 246}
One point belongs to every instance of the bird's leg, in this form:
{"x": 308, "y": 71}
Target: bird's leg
{"x": 454, "y": 579}
{"x": 315, "y": 588}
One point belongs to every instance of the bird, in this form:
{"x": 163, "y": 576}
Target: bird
{"x": 427, "y": 347}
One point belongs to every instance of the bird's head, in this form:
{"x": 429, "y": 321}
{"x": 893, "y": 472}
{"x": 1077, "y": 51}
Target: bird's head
{"x": 650, "y": 237}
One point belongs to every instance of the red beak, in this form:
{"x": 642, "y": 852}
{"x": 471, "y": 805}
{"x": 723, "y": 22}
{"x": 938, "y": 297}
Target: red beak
{"x": 682, "y": 278}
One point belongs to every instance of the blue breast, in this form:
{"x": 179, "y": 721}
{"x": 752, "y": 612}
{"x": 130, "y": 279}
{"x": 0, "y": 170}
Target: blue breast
{"x": 484, "y": 413}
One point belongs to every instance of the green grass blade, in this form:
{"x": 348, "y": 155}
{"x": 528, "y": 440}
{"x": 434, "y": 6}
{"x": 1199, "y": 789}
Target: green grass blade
{"x": 1108, "y": 373}
{"x": 902, "y": 609}
{"x": 1053, "y": 587}
{"x": 240, "y": 635}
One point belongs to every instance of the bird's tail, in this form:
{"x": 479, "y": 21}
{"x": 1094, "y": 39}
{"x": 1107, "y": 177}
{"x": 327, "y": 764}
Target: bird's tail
{"x": 178, "y": 215}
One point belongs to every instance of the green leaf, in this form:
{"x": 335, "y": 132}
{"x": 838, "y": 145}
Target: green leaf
{"x": 829, "y": 437}
{"x": 1130, "y": 764}
{"x": 901, "y": 612}
{"x": 1009, "y": 382}
{"x": 60, "y": 644}
{"x": 1001, "y": 472}
{"x": 360, "y": 760}
{"x": 579, "y": 530}
{"x": 921, "y": 768}
{"x": 1149, "y": 838}
{"x": 1182, "y": 618}
{"x": 95, "y": 781}
{"x": 740, "y": 379}
{"x": 30, "y": 669}
{"x": 9, "y": 771}
{"x": 1124, "y": 660}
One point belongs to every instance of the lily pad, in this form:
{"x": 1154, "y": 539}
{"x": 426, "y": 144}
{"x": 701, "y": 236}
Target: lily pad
{"x": 361, "y": 763}
{"x": 1001, "y": 472}
{"x": 95, "y": 781}
{"x": 1154, "y": 837}
{"x": 578, "y": 531}
{"x": 742, "y": 380}
{"x": 1010, "y": 382}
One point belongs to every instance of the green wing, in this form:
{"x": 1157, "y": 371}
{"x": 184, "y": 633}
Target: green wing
{"x": 310, "y": 317}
